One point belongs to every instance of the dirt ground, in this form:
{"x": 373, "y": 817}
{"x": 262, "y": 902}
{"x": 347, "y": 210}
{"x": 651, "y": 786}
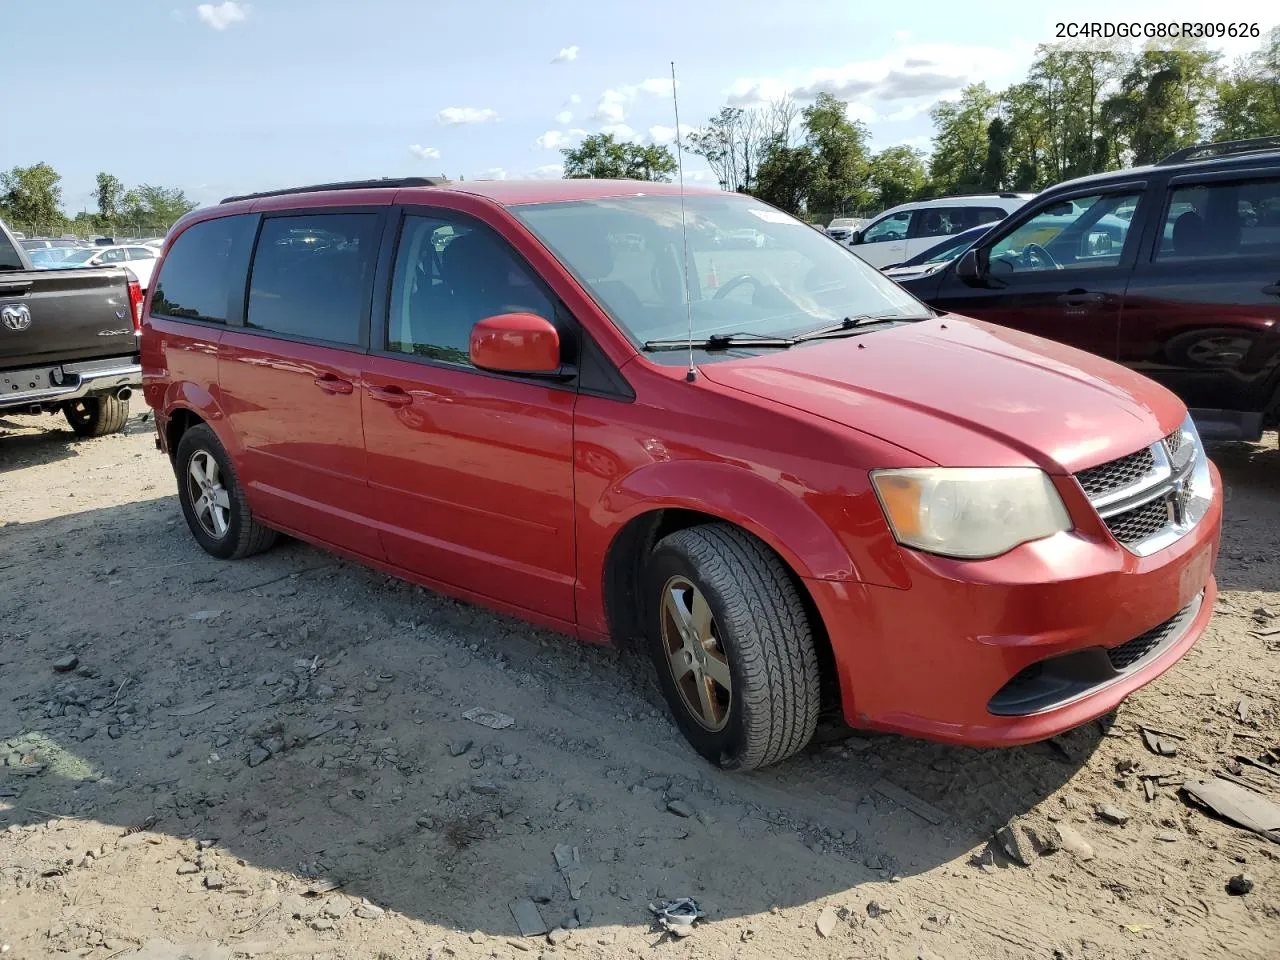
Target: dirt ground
{"x": 270, "y": 759}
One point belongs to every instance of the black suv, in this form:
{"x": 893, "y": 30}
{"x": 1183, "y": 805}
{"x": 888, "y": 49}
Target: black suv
{"x": 1171, "y": 269}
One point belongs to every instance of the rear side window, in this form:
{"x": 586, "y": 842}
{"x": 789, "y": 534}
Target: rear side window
{"x": 195, "y": 279}
{"x": 9, "y": 259}
{"x": 1226, "y": 219}
{"x": 313, "y": 276}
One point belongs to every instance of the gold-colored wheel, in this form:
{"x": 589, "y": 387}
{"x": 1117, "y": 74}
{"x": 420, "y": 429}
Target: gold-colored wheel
{"x": 695, "y": 655}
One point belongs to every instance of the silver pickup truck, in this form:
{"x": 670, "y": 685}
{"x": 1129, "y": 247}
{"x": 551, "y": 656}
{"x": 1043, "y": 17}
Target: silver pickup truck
{"x": 68, "y": 341}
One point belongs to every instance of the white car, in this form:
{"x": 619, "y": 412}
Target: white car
{"x": 900, "y": 233}
{"x": 841, "y": 228}
{"x": 139, "y": 259}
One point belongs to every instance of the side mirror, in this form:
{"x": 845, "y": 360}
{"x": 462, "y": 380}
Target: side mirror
{"x": 854, "y": 238}
{"x": 969, "y": 267}
{"x": 516, "y": 343}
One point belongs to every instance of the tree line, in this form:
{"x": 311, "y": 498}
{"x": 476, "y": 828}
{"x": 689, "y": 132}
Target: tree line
{"x": 1077, "y": 112}
{"x": 31, "y": 198}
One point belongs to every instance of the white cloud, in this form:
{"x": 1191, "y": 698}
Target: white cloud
{"x": 548, "y": 171}
{"x": 613, "y": 103}
{"x": 453, "y": 116}
{"x": 933, "y": 70}
{"x": 659, "y": 133}
{"x": 552, "y": 140}
{"x": 424, "y": 153}
{"x": 909, "y": 112}
{"x": 921, "y": 142}
{"x": 223, "y": 14}
{"x": 564, "y": 116}
{"x": 575, "y": 98}
{"x": 619, "y": 130}
{"x": 902, "y": 36}
{"x": 565, "y": 55}
{"x": 494, "y": 173}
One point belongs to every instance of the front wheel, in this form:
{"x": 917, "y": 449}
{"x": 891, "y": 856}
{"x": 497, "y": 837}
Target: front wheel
{"x": 97, "y": 416}
{"x": 213, "y": 501}
{"x": 733, "y": 646}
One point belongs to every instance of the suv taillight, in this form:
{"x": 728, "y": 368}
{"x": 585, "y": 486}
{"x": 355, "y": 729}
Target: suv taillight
{"x": 135, "y": 305}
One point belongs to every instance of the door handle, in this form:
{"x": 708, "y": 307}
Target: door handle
{"x": 1076, "y": 298}
{"x": 331, "y": 384}
{"x": 392, "y": 396}
{"x": 1272, "y": 289}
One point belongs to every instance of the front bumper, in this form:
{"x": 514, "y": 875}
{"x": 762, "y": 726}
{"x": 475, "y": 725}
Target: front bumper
{"x": 954, "y": 657}
{"x": 36, "y": 386}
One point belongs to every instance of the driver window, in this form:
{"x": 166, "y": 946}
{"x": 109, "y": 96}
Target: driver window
{"x": 448, "y": 277}
{"x": 1078, "y": 233}
{"x": 890, "y": 228}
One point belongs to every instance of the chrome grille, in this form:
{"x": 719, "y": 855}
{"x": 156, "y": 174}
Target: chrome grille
{"x": 1146, "y": 498}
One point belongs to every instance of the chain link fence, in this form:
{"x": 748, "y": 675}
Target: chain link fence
{"x": 84, "y": 231}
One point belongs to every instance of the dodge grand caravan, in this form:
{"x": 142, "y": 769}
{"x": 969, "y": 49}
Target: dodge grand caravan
{"x": 801, "y": 488}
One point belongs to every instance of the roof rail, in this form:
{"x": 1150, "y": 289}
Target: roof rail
{"x": 1224, "y": 148}
{"x": 344, "y": 185}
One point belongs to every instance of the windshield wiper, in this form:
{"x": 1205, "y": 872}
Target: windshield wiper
{"x": 851, "y": 323}
{"x": 720, "y": 341}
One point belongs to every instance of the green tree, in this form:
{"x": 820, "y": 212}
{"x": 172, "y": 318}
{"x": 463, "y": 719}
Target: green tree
{"x": 1161, "y": 102}
{"x": 602, "y": 156}
{"x": 960, "y": 140}
{"x": 841, "y": 166}
{"x": 32, "y": 196}
{"x": 155, "y": 207}
{"x": 897, "y": 175}
{"x": 786, "y": 176}
{"x": 1248, "y": 98}
{"x": 995, "y": 169}
{"x": 108, "y": 195}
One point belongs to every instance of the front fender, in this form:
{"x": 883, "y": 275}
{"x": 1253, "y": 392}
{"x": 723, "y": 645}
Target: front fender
{"x": 738, "y": 495}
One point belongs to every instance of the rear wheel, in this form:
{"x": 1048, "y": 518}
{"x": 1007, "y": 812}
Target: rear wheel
{"x": 213, "y": 501}
{"x": 733, "y": 646}
{"x": 97, "y": 416}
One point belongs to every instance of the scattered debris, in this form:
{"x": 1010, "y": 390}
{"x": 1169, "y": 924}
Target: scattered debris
{"x": 485, "y": 788}
{"x": 1074, "y": 843}
{"x": 676, "y": 916}
{"x": 575, "y": 875}
{"x": 1240, "y": 884}
{"x": 877, "y": 909}
{"x": 920, "y": 808}
{"x": 458, "y": 747}
{"x": 202, "y": 615}
{"x": 213, "y": 881}
{"x": 322, "y": 886}
{"x": 827, "y": 920}
{"x": 1162, "y": 745}
{"x": 489, "y": 718}
{"x": 680, "y": 808}
{"x": 1168, "y": 836}
{"x": 1015, "y": 844}
{"x": 1112, "y": 814}
{"x": 528, "y": 920}
{"x": 368, "y": 911}
{"x": 193, "y": 710}
{"x": 1149, "y": 789}
{"x": 1243, "y": 709}
{"x": 1241, "y": 806}
{"x": 66, "y": 664}
{"x": 558, "y": 936}
{"x": 187, "y": 868}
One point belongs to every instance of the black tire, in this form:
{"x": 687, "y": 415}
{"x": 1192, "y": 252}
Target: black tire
{"x": 765, "y": 636}
{"x": 243, "y": 536}
{"x": 97, "y": 416}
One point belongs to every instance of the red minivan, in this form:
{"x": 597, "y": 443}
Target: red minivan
{"x": 590, "y": 404}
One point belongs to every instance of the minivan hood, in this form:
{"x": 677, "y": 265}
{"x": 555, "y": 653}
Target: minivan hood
{"x": 961, "y": 392}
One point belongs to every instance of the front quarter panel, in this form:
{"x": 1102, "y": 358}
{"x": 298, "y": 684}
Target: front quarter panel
{"x": 798, "y": 483}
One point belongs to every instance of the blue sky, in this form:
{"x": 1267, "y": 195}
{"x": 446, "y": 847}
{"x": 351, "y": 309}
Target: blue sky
{"x": 232, "y": 97}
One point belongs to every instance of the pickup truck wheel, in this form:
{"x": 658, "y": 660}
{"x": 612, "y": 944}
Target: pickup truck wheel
{"x": 733, "y": 646}
{"x": 97, "y": 416}
{"x": 213, "y": 501}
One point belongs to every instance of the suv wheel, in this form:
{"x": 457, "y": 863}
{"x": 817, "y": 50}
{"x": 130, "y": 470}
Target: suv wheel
{"x": 733, "y": 646}
{"x": 97, "y": 416}
{"x": 213, "y": 501}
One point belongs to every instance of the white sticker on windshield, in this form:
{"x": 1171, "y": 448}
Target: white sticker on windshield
{"x": 770, "y": 216}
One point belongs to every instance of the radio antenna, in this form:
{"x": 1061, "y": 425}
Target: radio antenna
{"x": 692, "y": 375}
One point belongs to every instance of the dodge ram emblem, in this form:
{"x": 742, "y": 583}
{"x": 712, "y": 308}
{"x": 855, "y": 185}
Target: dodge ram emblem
{"x": 15, "y": 316}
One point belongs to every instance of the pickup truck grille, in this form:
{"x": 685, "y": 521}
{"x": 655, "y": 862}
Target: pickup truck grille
{"x": 1145, "y": 498}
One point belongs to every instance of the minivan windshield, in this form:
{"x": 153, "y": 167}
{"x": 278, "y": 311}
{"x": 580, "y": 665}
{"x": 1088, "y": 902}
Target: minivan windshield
{"x": 754, "y": 270}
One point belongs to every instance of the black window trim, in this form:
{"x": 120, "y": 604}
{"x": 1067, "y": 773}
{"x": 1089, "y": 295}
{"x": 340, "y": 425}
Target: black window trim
{"x": 1028, "y": 212}
{"x": 566, "y": 322}
{"x": 1204, "y": 178}
{"x": 362, "y": 346}
{"x": 237, "y": 280}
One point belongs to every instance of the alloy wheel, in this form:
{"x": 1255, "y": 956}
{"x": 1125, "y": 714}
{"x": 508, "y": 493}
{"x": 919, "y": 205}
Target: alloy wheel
{"x": 695, "y": 655}
{"x": 209, "y": 498}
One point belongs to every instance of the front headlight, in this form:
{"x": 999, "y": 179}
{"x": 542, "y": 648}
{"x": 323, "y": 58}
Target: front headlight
{"x": 969, "y": 512}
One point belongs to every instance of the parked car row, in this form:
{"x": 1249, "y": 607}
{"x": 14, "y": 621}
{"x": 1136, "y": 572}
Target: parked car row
{"x": 804, "y": 490}
{"x": 138, "y": 258}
